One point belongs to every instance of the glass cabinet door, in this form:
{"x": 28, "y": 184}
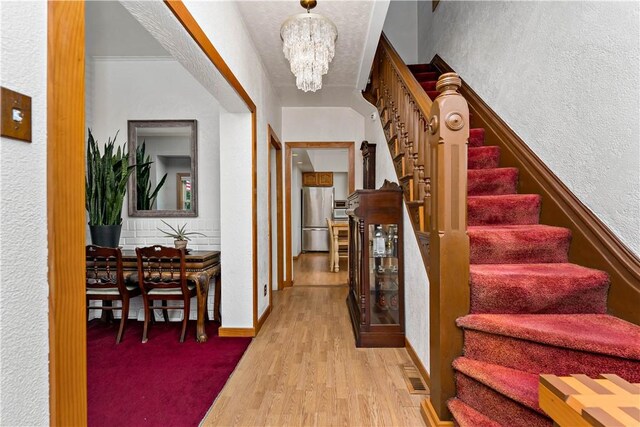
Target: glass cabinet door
{"x": 383, "y": 274}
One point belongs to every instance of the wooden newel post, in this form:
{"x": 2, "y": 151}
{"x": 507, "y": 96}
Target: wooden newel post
{"x": 449, "y": 243}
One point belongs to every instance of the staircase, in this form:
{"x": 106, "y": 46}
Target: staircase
{"x": 531, "y": 311}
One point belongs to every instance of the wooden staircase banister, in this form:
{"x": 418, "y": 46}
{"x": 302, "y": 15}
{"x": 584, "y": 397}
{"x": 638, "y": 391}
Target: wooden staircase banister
{"x": 424, "y": 102}
{"x": 428, "y": 144}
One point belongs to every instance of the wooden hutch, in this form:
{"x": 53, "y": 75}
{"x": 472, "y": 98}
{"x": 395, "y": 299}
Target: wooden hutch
{"x": 376, "y": 269}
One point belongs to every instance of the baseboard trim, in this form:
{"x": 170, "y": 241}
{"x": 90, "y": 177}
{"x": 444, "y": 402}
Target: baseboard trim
{"x": 416, "y": 361}
{"x": 236, "y": 332}
{"x": 263, "y": 318}
{"x": 593, "y": 244}
{"x": 430, "y": 416}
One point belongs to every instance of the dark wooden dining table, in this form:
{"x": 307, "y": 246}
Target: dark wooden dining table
{"x": 202, "y": 266}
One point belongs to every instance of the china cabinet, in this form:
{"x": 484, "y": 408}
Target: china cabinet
{"x": 376, "y": 269}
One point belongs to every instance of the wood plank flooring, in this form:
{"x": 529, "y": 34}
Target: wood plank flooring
{"x": 303, "y": 369}
{"x": 312, "y": 269}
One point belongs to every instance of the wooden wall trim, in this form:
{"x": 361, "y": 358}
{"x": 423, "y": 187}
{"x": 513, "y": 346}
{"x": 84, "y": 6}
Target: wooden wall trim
{"x": 189, "y": 23}
{"x": 263, "y": 318}
{"x": 274, "y": 142}
{"x": 66, "y": 213}
{"x": 197, "y": 33}
{"x": 416, "y": 361}
{"x": 350, "y": 145}
{"x": 430, "y": 416}
{"x": 593, "y": 244}
{"x": 236, "y": 332}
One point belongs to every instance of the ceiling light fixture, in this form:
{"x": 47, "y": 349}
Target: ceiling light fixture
{"x": 309, "y": 46}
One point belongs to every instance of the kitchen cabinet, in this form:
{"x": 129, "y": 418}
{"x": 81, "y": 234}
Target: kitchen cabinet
{"x": 376, "y": 266}
{"x": 317, "y": 179}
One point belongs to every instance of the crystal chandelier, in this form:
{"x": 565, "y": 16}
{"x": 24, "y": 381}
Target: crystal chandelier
{"x": 309, "y": 45}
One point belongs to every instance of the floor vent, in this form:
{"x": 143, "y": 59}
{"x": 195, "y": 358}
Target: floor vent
{"x": 414, "y": 381}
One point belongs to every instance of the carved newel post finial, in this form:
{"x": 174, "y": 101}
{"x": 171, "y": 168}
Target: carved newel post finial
{"x": 448, "y": 82}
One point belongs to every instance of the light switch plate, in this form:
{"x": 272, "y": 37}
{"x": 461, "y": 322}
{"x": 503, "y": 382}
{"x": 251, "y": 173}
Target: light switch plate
{"x": 15, "y": 114}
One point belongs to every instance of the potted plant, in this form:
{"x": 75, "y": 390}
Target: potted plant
{"x": 106, "y": 185}
{"x": 145, "y": 196}
{"x": 180, "y": 235}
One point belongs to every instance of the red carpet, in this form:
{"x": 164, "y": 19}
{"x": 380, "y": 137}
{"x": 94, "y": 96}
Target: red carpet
{"x": 160, "y": 383}
{"x": 532, "y": 310}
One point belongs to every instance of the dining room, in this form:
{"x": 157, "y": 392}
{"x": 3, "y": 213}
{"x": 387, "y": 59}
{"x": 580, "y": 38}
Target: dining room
{"x": 155, "y": 126}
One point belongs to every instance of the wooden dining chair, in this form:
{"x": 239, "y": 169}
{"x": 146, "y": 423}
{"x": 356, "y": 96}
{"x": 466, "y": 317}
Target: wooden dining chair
{"x": 338, "y": 246}
{"x": 162, "y": 277}
{"x": 105, "y": 282}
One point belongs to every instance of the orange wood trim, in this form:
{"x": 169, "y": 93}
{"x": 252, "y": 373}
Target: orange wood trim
{"x": 430, "y": 416}
{"x": 424, "y": 102}
{"x": 66, "y": 213}
{"x": 593, "y": 244}
{"x": 287, "y": 196}
{"x": 416, "y": 361}
{"x": 193, "y": 28}
{"x": 236, "y": 332}
{"x": 254, "y": 219}
{"x": 270, "y": 219}
{"x": 274, "y": 142}
{"x": 263, "y": 318}
{"x": 327, "y": 145}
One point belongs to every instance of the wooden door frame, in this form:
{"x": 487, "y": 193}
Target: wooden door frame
{"x": 351, "y": 146}
{"x": 274, "y": 142}
{"x": 66, "y": 204}
{"x": 66, "y": 213}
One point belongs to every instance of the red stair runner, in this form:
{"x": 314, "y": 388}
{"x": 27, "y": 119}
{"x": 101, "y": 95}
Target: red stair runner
{"x": 466, "y": 416}
{"x": 532, "y": 311}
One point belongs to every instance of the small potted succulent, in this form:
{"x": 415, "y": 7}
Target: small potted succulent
{"x": 180, "y": 235}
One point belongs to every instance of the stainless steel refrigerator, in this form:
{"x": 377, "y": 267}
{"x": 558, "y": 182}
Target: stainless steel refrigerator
{"x": 317, "y": 206}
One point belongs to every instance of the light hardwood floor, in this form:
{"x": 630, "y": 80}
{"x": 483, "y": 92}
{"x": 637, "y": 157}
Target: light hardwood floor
{"x": 303, "y": 369}
{"x": 312, "y": 269}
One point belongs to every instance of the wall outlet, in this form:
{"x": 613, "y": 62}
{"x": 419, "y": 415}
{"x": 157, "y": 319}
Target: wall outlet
{"x": 265, "y": 290}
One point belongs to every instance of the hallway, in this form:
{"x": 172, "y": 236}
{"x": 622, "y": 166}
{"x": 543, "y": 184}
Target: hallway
{"x": 304, "y": 369}
{"x": 312, "y": 269}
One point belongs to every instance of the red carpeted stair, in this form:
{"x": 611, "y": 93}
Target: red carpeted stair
{"x": 532, "y": 311}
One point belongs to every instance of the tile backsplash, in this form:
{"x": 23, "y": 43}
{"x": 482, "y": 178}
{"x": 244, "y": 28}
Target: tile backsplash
{"x": 144, "y": 232}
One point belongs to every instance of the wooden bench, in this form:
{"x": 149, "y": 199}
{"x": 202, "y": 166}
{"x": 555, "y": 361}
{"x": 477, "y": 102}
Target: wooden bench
{"x": 579, "y": 400}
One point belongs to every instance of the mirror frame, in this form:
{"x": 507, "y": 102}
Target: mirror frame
{"x": 132, "y": 126}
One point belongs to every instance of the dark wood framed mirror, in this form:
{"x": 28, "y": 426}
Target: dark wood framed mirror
{"x": 165, "y": 182}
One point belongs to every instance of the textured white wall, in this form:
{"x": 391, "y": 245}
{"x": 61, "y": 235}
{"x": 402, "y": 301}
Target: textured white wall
{"x": 124, "y": 90}
{"x": 296, "y": 200}
{"x": 416, "y": 282}
{"x": 329, "y": 160}
{"x": 564, "y": 76}
{"x": 235, "y": 222}
{"x": 401, "y": 28}
{"x": 24, "y": 343}
{"x": 222, "y": 23}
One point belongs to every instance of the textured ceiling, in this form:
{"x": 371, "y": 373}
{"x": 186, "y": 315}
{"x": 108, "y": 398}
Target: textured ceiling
{"x": 264, "y": 18}
{"x": 112, "y": 31}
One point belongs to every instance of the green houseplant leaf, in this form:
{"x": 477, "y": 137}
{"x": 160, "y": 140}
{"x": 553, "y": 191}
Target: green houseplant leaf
{"x": 145, "y": 196}
{"x": 106, "y": 181}
{"x": 180, "y": 233}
